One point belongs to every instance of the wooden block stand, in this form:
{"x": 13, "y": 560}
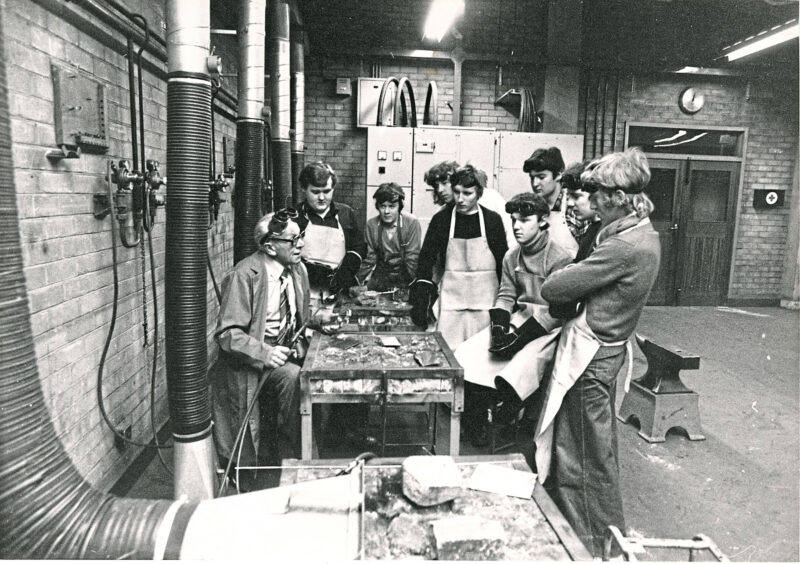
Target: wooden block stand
{"x": 659, "y": 400}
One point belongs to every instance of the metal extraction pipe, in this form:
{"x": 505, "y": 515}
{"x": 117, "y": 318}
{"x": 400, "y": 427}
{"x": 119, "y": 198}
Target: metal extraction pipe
{"x": 188, "y": 146}
{"x": 47, "y": 509}
{"x": 298, "y": 107}
{"x": 280, "y": 96}
{"x": 249, "y": 126}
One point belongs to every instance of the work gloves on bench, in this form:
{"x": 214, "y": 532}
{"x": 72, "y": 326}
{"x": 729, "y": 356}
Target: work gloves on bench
{"x": 422, "y": 294}
{"x": 344, "y": 276}
{"x": 506, "y": 340}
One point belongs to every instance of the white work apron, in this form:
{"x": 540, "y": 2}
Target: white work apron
{"x": 526, "y": 369}
{"x": 324, "y": 245}
{"x": 468, "y": 286}
{"x": 559, "y": 230}
{"x": 523, "y": 372}
{"x": 576, "y": 349}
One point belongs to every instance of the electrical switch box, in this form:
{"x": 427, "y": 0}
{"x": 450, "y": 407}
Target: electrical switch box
{"x": 343, "y": 87}
{"x": 80, "y": 110}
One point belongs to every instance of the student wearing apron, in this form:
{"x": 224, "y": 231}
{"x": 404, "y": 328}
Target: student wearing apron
{"x": 544, "y": 167}
{"x": 334, "y": 241}
{"x": 393, "y": 242}
{"x": 469, "y": 243}
{"x": 334, "y": 246}
{"x": 513, "y": 360}
{"x": 576, "y": 437}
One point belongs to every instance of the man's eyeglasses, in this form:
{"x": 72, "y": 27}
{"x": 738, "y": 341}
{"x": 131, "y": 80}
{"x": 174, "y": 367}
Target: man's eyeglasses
{"x": 294, "y": 240}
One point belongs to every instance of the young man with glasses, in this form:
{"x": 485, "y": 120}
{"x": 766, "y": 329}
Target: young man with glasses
{"x": 265, "y": 302}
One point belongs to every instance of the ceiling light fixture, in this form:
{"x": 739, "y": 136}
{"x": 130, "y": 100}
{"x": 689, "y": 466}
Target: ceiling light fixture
{"x": 441, "y": 16}
{"x": 764, "y": 40}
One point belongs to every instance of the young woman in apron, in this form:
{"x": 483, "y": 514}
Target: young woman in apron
{"x": 513, "y": 361}
{"x": 576, "y": 438}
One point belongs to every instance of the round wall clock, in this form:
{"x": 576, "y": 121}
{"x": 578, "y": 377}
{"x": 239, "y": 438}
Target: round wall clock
{"x": 691, "y": 101}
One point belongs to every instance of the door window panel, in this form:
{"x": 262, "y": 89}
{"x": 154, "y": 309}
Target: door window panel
{"x": 661, "y": 191}
{"x": 709, "y": 197}
{"x": 685, "y": 141}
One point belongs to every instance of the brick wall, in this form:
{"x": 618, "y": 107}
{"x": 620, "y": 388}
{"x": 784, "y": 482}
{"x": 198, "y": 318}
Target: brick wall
{"x": 331, "y": 134}
{"x": 67, "y": 252}
{"x": 771, "y": 116}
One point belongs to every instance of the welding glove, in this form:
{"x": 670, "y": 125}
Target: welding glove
{"x": 421, "y": 295}
{"x": 566, "y": 310}
{"x": 506, "y": 343}
{"x": 344, "y": 276}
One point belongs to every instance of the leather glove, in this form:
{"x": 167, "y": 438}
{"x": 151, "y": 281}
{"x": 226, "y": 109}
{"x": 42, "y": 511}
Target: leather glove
{"x": 509, "y": 343}
{"x": 344, "y": 276}
{"x": 500, "y": 320}
{"x": 422, "y": 294}
{"x": 566, "y": 310}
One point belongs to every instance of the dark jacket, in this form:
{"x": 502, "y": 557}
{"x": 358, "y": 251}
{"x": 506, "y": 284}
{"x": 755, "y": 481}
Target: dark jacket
{"x": 615, "y": 279}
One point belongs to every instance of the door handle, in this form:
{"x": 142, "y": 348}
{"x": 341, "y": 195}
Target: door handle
{"x": 674, "y": 227}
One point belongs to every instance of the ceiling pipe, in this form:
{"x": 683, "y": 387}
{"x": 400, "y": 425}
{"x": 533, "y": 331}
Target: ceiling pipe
{"x": 298, "y": 106}
{"x": 280, "y": 98}
{"x": 188, "y": 146}
{"x": 251, "y": 33}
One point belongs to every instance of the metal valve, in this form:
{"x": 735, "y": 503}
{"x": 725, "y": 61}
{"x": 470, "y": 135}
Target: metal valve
{"x": 216, "y": 188}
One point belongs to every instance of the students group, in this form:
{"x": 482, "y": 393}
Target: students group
{"x": 537, "y": 296}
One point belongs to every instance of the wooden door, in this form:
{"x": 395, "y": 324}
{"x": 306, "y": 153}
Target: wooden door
{"x": 665, "y": 180}
{"x": 708, "y": 205}
{"x": 695, "y": 202}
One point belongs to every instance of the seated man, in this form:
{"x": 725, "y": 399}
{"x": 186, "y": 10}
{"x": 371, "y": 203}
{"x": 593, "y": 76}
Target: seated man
{"x": 393, "y": 242}
{"x": 516, "y": 357}
{"x": 265, "y": 301}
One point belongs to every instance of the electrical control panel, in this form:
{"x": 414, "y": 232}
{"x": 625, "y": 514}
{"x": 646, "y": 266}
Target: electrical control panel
{"x": 79, "y": 110}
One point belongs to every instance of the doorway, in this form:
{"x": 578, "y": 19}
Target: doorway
{"x": 695, "y": 207}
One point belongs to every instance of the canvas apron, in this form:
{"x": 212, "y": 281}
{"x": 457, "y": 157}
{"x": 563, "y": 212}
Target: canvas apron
{"x": 468, "y": 287}
{"x": 525, "y": 370}
{"x": 576, "y": 349}
{"x": 324, "y": 246}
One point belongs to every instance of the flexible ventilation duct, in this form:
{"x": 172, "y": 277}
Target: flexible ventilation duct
{"x": 249, "y": 126}
{"x": 298, "y": 108}
{"x": 188, "y": 145}
{"x": 47, "y": 510}
{"x": 280, "y": 94}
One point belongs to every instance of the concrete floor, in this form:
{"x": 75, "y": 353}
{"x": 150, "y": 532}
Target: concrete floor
{"x": 739, "y": 486}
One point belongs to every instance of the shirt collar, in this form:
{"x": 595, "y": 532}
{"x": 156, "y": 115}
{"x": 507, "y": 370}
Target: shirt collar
{"x": 274, "y": 268}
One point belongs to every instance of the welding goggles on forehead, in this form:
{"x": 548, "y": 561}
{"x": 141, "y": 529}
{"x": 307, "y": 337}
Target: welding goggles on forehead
{"x": 277, "y": 223}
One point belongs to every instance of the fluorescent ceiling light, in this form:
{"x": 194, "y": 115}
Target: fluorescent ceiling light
{"x": 780, "y": 34}
{"x": 441, "y": 16}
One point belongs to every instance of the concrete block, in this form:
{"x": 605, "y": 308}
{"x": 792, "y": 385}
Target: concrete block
{"x": 467, "y": 537}
{"x": 431, "y": 480}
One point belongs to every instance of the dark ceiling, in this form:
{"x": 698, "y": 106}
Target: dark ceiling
{"x": 643, "y": 34}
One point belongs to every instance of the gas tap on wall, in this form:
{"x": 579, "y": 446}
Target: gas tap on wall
{"x": 153, "y": 181}
{"x": 216, "y": 188}
{"x": 129, "y": 200}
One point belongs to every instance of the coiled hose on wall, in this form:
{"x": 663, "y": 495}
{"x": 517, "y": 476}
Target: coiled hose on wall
{"x": 47, "y": 510}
